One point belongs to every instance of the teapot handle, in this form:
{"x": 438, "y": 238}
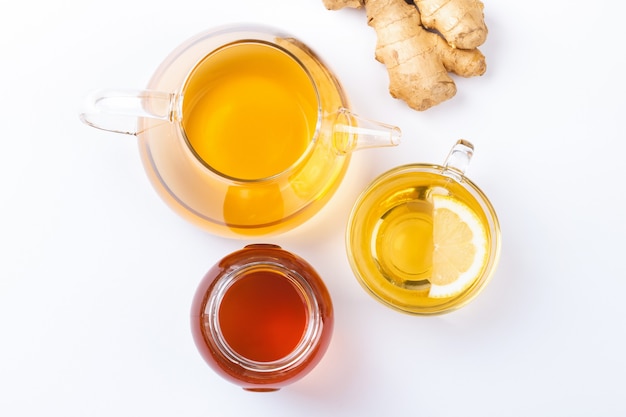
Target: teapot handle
{"x": 118, "y": 110}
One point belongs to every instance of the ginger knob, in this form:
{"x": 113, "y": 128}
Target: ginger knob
{"x": 421, "y": 42}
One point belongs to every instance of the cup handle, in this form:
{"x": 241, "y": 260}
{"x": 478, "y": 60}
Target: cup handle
{"x": 458, "y": 159}
{"x": 118, "y": 110}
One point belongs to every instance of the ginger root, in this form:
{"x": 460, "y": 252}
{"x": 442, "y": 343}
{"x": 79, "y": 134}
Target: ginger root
{"x": 421, "y": 41}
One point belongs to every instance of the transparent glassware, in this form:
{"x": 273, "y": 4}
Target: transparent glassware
{"x": 262, "y": 318}
{"x": 221, "y": 202}
{"x": 400, "y": 223}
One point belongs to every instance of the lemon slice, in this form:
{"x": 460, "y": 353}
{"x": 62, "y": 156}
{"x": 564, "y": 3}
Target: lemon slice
{"x": 460, "y": 247}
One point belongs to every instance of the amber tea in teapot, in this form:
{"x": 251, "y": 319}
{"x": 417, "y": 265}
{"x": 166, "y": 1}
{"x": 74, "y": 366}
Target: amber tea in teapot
{"x": 250, "y": 110}
{"x": 242, "y": 130}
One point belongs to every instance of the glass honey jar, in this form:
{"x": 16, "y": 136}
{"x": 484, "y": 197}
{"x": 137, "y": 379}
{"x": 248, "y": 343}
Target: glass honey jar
{"x": 262, "y": 318}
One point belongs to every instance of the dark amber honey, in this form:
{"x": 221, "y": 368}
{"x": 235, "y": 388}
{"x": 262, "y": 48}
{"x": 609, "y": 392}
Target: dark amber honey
{"x": 262, "y": 318}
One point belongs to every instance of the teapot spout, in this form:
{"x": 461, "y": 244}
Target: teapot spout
{"x": 352, "y": 132}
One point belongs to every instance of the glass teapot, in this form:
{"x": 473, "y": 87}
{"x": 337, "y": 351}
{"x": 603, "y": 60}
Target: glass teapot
{"x": 242, "y": 130}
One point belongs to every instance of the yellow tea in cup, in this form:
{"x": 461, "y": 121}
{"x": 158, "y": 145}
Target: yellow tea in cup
{"x": 424, "y": 239}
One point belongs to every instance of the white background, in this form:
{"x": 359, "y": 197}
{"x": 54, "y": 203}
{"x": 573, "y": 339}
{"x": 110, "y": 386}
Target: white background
{"x": 97, "y": 274}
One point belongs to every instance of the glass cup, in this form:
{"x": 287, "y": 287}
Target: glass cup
{"x": 242, "y": 130}
{"x": 262, "y": 318}
{"x": 424, "y": 239}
